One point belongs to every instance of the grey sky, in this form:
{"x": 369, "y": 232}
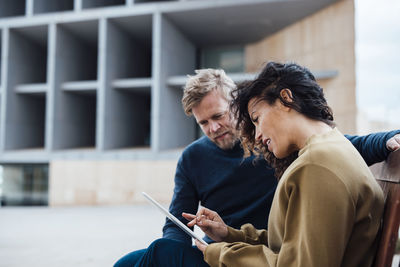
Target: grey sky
{"x": 378, "y": 58}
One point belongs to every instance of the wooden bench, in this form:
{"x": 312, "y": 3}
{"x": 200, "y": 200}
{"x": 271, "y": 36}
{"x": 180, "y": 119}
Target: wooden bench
{"x": 388, "y": 176}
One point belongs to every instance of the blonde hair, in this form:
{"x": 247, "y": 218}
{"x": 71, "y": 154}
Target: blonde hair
{"x": 205, "y": 81}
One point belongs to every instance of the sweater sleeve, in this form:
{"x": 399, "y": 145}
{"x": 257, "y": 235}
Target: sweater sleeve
{"x": 317, "y": 217}
{"x": 247, "y": 234}
{"x": 185, "y": 199}
{"x": 372, "y": 147}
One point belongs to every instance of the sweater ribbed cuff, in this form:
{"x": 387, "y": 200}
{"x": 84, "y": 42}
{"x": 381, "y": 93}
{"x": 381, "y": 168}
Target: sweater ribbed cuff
{"x": 234, "y": 235}
{"x": 212, "y": 253}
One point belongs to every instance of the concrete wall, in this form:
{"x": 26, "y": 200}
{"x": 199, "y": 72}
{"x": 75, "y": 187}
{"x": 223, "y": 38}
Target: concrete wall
{"x": 109, "y": 182}
{"x": 27, "y": 61}
{"x": 173, "y": 54}
{"x": 105, "y": 111}
{"x": 322, "y": 41}
{"x": 127, "y": 112}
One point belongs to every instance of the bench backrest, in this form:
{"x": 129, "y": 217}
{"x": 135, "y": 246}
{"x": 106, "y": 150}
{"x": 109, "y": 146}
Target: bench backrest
{"x": 387, "y": 174}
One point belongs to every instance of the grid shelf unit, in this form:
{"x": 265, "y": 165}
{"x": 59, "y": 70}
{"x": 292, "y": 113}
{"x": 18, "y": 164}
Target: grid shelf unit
{"x": 1, "y": 60}
{"x": 177, "y": 55}
{"x": 128, "y": 64}
{"x": 26, "y": 88}
{"x": 108, "y": 75}
{"x": 1, "y": 67}
{"x": 75, "y": 102}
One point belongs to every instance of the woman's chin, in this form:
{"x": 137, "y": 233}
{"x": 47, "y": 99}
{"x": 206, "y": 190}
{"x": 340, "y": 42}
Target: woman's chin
{"x": 276, "y": 154}
{"x": 279, "y": 154}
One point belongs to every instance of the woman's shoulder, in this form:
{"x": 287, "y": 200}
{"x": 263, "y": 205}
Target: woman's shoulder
{"x": 330, "y": 150}
{"x": 333, "y": 159}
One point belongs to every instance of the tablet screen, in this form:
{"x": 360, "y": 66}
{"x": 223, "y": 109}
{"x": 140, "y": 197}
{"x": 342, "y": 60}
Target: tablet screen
{"x": 174, "y": 219}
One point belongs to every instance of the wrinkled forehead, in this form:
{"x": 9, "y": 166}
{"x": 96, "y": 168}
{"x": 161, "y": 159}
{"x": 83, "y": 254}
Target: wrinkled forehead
{"x": 212, "y": 103}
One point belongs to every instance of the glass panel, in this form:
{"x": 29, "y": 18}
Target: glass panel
{"x": 230, "y": 59}
{"x": 24, "y": 185}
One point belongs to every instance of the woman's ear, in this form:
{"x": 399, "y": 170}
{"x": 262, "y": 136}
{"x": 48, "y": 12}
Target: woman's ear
{"x": 286, "y": 95}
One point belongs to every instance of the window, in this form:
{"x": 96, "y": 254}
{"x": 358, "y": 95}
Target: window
{"x": 230, "y": 58}
{"x": 24, "y": 185}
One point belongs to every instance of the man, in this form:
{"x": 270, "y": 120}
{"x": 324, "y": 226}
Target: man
{"x": 213, "y": 172}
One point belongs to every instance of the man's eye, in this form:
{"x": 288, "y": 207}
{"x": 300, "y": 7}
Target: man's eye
{"x": 218, "y": 116}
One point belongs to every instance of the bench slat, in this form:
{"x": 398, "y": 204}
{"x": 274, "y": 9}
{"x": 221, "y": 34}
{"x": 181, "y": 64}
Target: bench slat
{"x": 387, "y": 175}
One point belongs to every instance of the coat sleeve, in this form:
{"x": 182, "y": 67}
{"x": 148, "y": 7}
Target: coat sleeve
{"x": 317, "y": 219}
{"x": 247, "y": 234}
{"x": 372, "y": 147}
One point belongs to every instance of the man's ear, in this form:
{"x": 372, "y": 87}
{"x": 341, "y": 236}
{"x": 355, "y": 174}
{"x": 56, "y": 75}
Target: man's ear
{"x": 286, "y": 95}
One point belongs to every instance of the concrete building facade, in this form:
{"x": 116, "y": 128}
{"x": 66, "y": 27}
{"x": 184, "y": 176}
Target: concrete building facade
{"x": 91, "y": 89}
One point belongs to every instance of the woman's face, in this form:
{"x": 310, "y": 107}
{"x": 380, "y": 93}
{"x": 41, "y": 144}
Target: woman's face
{"x": 272, "y": 126}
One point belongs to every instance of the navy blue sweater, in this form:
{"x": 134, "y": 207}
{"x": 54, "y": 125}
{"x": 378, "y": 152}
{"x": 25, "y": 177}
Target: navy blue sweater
{"x": 239, "y": 189}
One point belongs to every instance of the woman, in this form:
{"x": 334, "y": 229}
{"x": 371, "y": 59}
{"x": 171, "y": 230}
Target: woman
{"x": 327, "y": 207}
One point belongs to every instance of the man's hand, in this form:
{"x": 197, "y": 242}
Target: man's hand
{"x": 393, "y": 143}
{"x": 209, "y": 222}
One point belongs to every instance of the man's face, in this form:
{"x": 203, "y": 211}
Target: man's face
{"x": 212, "y": 114}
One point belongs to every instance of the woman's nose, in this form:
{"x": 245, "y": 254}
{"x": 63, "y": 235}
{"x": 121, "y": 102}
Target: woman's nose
{"x": 258, "y": 135}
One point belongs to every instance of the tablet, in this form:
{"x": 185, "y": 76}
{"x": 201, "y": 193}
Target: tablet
{"x": 174, "y": 219}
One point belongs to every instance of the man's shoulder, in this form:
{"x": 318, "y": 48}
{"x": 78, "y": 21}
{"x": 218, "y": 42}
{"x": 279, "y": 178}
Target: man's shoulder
{"x": 198, "y": 148}
{"x": 196, "y": 152}
{"x": 202, "y": 143}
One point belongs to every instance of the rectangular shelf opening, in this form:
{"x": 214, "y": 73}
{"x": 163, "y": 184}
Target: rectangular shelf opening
{"x": 128, "y": 82}
{"x": 76, "y": 85}
{"x": 28, "y": 51}
{"x": 27, "y": 129}
{"x": 129, "y": 47}
{"x": 79, "y": 124}
{"x": 177, "y": 57}
{"x": 1, "y": 59}
{"x": 101, "y": 3}
{"x": 46, "y": 6}
{"x": 128, "y": 125}
{"x": 152, "y": 1}
{"x": 11, "y": 8}
{"x": 77, "y": 45}
{"x": 26, "y": 88}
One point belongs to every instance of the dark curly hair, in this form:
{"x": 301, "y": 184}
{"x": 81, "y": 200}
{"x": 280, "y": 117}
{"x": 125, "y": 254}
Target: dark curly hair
{"x": 307, "y": 99}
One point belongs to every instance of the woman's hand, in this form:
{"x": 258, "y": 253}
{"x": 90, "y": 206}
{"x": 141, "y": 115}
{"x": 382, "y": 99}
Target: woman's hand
{"x": 209, "y": 222}
{"x": 200, "y": 245}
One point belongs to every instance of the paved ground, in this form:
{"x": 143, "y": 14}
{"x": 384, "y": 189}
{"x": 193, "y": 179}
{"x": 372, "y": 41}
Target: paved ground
{"x": 76, "y": 236}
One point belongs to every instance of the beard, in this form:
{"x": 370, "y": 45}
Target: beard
{"x": 227, "y": 142}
